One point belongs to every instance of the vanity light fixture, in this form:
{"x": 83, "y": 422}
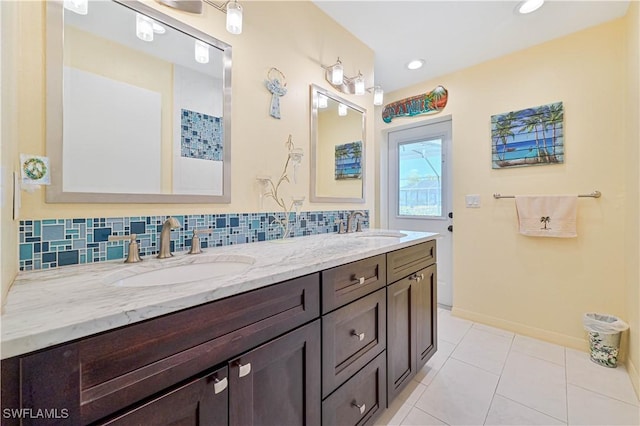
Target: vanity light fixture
{"x": 337, "y": 72}
{"x": 234, "y": 17}
{"x": 342, "y": 110}
{"x": 81, "y": 7}
{"x": 144, "y": 27}
{"x": 529, "y": 6}
{"x": 378, "y": 95}
{"x": 323, "y": 101}
{"x": 201, "y": 52}
{"x": 358, "y": 84}
{"x": 157, "y": 28}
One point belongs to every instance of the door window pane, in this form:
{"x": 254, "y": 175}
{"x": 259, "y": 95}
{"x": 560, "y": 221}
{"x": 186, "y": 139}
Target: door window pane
{"x": 420, "y": 178}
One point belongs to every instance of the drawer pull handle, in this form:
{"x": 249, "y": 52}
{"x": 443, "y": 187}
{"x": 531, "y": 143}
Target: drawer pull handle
{"x": 360, "y": 336}
{"x": 359, "y": 279}
{"x": 362, "y": 407}
{"x": 219, "y": 385}
{"x": 243, "y": 370}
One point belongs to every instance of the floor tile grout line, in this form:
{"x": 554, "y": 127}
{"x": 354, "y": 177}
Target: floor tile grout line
{"x": 486, "y": 416}
{"x": 531, "y": 408}
{"x": 427, "y": 413}
{"x": 605, "y": 395}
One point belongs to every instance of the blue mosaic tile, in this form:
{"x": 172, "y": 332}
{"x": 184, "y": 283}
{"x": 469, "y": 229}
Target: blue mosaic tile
{"x": 73, "y": 241}
{"x": 201, "y": 136}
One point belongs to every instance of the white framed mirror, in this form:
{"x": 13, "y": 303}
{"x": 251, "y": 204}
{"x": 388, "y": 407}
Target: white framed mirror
{"x": 138, "y": 107}
{"x": 337, "y": 148}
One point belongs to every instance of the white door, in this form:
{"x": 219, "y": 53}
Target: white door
{"x": 420, "y": 190}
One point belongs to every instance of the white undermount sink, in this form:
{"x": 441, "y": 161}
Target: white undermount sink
{"x": 381, "y": 234}
{"x": 185, "y": 270}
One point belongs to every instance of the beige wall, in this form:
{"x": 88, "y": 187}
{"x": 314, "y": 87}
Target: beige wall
{"x": 540, "y": 286}
{"x": 295, "y": 46}
{"x": 632, "y": 222}
{"x": 8, "y": 144}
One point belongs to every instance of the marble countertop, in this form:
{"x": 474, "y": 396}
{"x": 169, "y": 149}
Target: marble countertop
{"x": 49, "y": 307}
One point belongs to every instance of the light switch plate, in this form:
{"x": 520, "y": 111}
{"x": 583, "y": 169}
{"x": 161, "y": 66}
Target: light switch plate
{"x": 472, "y": 201}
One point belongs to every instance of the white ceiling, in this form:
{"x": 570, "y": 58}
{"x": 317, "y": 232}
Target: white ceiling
{"x": 452, "y": 35}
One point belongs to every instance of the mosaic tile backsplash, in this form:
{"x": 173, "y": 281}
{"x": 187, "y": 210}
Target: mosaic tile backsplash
{"x": 52, "y": 243}
{"x": 201, "y": 136}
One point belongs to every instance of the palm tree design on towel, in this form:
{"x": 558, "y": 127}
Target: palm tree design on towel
{"x": 545, "y": 220}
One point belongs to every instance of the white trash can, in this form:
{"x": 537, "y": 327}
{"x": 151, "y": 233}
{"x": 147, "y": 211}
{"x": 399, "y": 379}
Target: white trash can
{"x": 604, "y": 337}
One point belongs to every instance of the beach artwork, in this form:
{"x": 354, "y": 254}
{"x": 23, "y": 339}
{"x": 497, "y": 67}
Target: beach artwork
{"x": 529, "y": 137}
{"x": 348, "y": 161}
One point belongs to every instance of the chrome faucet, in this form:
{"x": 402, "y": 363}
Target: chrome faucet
{"x": 352, "y": 216}
{"x": 165, "y": 237}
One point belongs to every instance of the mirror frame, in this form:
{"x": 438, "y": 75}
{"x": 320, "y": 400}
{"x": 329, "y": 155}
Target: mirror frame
{"x": 313, "y": 98}
{"x": 54, "y": 113}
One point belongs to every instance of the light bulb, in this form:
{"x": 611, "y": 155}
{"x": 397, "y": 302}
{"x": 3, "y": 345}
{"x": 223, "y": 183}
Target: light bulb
{"x": 81, "y": 7}
{"x": 234, "y": 18}
{"x": 337, "y": 73}
{"x": 342, "y": 110}
{"x": 529, "y": 6}
{"x": 378, "y": 95}
{"x": 323, "y": 101}
{"x": 144, "y": 27}
{"x": 359, "y": 85}
{"x": 202, "y": 52}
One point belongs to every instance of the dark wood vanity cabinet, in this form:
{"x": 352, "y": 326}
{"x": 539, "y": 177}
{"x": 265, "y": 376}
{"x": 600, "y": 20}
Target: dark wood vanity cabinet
{"x": 328, "y": 348}
{"x": 411, "y": 315}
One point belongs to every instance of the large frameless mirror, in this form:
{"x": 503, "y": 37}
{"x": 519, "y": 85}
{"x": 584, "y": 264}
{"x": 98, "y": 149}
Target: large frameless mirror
{"x": 138, "y": 107}
{"x": 337, "y": 148}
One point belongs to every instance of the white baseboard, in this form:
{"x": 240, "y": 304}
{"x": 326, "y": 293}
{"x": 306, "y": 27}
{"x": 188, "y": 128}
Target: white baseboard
{"x": 526, "y": 330}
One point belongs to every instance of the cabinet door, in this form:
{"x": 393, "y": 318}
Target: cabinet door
{"x": 401, "y": 342}
{"x": 203, "y": 401}
{"x": 278, "y": 383}
{"x": 426, "y": 315}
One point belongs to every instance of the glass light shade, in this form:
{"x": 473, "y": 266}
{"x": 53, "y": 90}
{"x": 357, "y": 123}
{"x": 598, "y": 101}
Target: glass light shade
{"x": 323, "y": 101}
{"x": 342, "y": 110}
{"x": 202, "y": 52}
{"x": 157, "y": 28}
{"x": 144, "y": 27}
{"x": 81, "y": 7}
{"x": 337, "y": 73}
{"x": 234, "y": 18}
{"x": 529, "y": 6}
{"x": 359, "y": 85}
{"x": 378, "y": 95}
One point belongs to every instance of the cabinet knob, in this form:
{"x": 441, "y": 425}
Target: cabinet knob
{"x": 243, "y": 370}
{"x": 359, "y": 279}
{"x": 362, "y": 407}
{"x": 360, "y": 336}
{"x": 417, "y": 277}
{"x": 219, "y": 385}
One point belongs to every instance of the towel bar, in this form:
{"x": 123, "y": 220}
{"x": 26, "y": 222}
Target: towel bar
{"x": 594, "y": 194}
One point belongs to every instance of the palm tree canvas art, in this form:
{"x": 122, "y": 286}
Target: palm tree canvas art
{"x": 529, "y": 137}
{"x": 348, "y": 161}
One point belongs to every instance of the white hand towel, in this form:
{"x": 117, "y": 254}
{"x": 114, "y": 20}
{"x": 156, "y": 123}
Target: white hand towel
{"x": 547, "y": 216}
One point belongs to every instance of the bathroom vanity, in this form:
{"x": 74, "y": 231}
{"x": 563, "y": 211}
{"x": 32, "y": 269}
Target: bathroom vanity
{"x": 320, "y": 330}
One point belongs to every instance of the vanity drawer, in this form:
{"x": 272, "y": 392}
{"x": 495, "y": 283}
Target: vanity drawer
{"x": 132, "y": 363}
{"x": 361, "y": 399}
{"x": 352, "y": 336}
{"x": 406, "y": 261}
{"x": 349, "y": 282}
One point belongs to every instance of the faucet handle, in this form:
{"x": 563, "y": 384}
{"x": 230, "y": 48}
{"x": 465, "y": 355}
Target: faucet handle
{"x": 341, "y": 228}
{"x": 195, "y": 240}
{"x": 134, "y": 253}
{"x": 358, "y": 225}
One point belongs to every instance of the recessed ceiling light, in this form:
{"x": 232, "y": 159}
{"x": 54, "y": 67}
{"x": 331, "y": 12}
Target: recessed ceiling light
{"x": 415, "y": 64}
{"x": 529, "y": 6}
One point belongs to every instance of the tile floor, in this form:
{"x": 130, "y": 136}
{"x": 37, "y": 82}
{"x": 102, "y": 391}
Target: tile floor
{"x": 486, "y": 376}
